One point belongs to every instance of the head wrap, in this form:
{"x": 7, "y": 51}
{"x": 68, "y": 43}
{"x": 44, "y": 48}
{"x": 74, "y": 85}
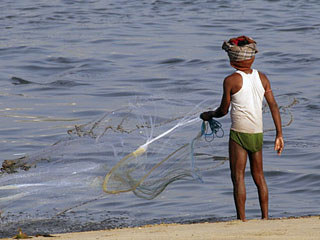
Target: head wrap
{"x": 241, "y": 51}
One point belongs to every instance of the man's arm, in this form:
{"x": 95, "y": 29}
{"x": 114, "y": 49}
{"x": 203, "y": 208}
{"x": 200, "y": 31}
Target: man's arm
{"x": 279, "y": 143}
{"x": 223, "y": 109}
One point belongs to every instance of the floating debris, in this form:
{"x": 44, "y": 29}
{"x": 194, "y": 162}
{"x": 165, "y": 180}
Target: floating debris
{"x": 21, "y": 235}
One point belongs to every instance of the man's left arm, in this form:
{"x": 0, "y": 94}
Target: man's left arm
{"x": 274, "y": 109}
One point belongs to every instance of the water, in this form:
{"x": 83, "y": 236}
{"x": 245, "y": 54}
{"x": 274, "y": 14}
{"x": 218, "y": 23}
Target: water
{"x": 64, "y": 63}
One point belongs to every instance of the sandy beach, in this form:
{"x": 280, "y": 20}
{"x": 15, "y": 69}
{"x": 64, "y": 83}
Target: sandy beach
{"x": 286, "y": 228}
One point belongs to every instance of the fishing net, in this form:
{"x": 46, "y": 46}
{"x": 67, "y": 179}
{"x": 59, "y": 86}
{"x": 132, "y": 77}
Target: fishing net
{"x": 113, "y": 134}
{"x": 165, "y": 154}
{"x": 149, "y": 169}
{"x": 144, "y": 146}
{"x": 171, "y": 156}
{"x": 285, "y": 106}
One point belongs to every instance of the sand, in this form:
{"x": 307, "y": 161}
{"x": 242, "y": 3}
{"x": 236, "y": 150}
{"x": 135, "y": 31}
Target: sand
{"x": 287, "y": 228}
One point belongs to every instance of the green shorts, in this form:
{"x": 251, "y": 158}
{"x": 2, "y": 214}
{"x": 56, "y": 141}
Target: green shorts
{"x": 251, "y": 142}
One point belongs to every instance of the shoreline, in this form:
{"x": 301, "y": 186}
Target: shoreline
{"x": 284, "y": 228}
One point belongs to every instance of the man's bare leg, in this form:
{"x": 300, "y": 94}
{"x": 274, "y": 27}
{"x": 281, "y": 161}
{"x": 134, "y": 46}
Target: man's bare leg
{"x": 238, "y": 160}
{"x": 256, "y": 166}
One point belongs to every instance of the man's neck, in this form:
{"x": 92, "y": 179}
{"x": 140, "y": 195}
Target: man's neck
{"x": 247, "y": 71}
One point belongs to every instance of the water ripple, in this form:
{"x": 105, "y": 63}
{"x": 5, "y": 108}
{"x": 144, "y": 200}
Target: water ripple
{"x": 65, "y": 62}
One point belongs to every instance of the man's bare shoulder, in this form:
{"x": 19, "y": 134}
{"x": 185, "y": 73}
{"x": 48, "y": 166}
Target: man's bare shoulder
{"x": 233, "y": 77}
{"x": 233, "y": 83}
{"x": 262, "y": 76}
{"x": 264, "y": 80}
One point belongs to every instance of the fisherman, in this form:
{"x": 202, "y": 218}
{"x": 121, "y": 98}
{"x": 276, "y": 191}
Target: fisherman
{"x": 245, "y": 89}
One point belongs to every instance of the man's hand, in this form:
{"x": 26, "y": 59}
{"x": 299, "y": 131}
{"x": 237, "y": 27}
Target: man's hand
{"x": 279, "y": 145}
{"x": 206, "y": 116}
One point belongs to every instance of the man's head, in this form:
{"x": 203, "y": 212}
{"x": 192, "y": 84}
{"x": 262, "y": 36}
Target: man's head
{"x": 241, "y": 52}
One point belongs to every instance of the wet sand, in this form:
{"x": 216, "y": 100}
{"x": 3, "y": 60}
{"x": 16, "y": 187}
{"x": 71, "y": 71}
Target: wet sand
{"x": 286, "y": 228}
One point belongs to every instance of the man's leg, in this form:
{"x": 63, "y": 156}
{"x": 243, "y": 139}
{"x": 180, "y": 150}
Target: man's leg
{"x": 238, "y": 160}
{"x": 256, "y": 166}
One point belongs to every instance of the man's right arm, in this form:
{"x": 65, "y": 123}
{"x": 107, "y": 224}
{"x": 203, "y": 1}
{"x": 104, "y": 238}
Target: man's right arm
{"x": 223, "y": 109}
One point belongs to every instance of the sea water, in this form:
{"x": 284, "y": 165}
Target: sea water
{"x": 65, "y": 63}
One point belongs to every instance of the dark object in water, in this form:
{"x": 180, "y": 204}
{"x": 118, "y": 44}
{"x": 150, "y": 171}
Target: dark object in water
{"x": 11, "y": 166}
{"x": 19, "y": 81}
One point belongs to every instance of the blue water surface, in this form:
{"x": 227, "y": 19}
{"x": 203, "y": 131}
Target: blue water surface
{"x": 65, "y": 63}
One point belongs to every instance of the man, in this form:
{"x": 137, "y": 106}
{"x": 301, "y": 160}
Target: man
{"x": 244, "y": 90}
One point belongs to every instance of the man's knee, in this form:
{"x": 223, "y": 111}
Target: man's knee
{"x": 257, "y": 171}
{"x": 237, "y": 177}
{"x": 259, "y": 179}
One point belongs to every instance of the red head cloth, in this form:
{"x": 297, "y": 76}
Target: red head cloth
{"x": 241, "y": 51}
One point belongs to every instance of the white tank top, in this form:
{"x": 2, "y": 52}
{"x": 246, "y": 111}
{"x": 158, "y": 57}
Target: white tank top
{"x": 246, "y": 104}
